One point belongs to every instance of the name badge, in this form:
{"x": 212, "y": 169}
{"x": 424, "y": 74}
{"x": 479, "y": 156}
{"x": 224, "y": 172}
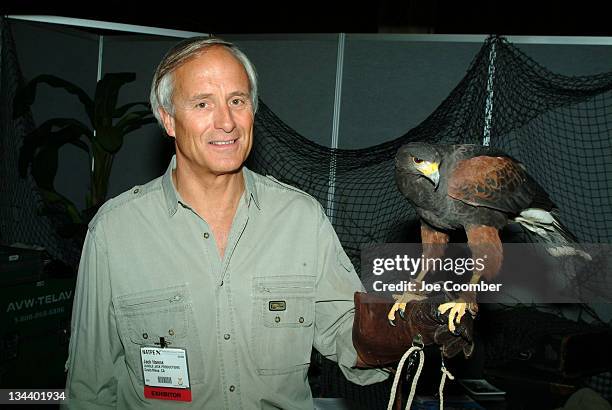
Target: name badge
{"x": 165, "y": 373}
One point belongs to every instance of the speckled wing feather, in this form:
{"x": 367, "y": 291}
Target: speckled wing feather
{"x": 493, "y": 182}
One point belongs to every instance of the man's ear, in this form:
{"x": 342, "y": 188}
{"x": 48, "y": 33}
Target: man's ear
{"x": 168, "y": 121}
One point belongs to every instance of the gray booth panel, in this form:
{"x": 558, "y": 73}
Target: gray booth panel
{"x": 297, "y": 75}
{"x": 391, "y": 86}
{"x": 145, "y": 151}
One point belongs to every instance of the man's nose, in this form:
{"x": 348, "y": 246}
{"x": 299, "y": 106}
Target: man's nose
{"x": 224, "y": 119}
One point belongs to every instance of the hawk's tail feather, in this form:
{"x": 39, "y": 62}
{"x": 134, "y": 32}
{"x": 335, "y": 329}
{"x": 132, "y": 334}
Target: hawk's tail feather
{"x": 559, "y": 227}
{"x": 544, "y": 226}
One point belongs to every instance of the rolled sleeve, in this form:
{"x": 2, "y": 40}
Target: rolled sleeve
{"x": 94, "y": 344}
{"x": 335, "y": 308}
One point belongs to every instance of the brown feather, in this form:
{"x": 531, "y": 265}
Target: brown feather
{"x": 494, "y": 182}
{"x": 484, "y": 240}
{"x": 434, "y": 242}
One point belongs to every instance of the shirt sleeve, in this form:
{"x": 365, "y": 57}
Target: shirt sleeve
{"x": 336, "y": 284}
{"x": 94, "y": 343}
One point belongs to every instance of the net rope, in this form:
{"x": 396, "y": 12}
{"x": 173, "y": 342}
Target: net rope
{"x": 559, "y": 126}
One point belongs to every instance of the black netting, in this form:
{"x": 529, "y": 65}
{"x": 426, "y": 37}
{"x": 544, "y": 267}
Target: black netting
{"x": 559, "y": 126}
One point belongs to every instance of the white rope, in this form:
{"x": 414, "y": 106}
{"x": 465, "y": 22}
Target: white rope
{"x": 398, "y": 374}
{"x": 445, "y": 374}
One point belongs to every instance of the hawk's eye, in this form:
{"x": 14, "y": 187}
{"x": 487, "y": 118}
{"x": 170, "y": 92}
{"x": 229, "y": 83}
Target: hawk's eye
{"x": 417, "y": 160}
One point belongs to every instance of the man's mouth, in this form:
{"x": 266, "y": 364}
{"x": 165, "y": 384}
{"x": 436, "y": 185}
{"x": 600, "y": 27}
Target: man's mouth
{"x": 223, "y": 142}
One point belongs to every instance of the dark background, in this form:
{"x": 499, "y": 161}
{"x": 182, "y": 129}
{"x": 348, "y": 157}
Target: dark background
{"x": 518, "y": 17}
{"x": 404, "y": 81}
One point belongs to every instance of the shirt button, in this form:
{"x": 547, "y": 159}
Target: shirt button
{"x": 232, "y": 388}
{"x": 171, "y": 332}
{"x": 206, "y": 235}
{"x": 277, "y": 319}
{"x": 226, "y": 336}
{"x": 145, "y": 336}
{"x": 301, "y": 320}
{"x": 136, "y": 190}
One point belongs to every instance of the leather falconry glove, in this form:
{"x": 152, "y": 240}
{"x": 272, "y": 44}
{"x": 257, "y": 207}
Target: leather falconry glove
{"x": 379, "y": 344}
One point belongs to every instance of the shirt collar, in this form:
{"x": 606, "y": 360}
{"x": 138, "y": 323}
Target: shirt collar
{"x": 251, "y": 187}
{"x": 173, "y": 198}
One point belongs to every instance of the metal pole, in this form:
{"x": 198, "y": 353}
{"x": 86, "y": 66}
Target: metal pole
{"x": 106, "y": 25}
{"x": 98, "y": 76}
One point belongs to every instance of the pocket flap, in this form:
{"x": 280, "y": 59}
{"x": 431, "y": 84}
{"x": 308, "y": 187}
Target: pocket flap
{"x": 285, "y": 301}
{"x": 152, "y": 314}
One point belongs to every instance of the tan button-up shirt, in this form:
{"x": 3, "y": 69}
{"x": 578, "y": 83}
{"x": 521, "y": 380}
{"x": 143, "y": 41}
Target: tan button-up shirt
{"x": 150, "y": 268}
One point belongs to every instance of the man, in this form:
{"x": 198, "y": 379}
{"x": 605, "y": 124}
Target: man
{"x": 238, "y": 272}
{"x": 209, "y": 286}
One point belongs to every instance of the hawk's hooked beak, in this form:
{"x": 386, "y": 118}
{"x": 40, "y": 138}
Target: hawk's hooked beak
{"x": 430, "y": 170}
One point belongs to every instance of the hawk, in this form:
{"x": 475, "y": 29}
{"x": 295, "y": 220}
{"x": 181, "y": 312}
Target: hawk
{"x": 478, "y": 189}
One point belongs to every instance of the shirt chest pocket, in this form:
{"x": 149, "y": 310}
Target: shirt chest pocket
{"x": 283, "y": 322}
{"x": 146, "y": 317}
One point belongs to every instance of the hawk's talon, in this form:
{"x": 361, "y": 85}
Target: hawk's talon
{"x": 391, "y": 314}
{"x": 456, "y": 309}
{"x": 438, "y": 316}
{"x": 401, "y": 301}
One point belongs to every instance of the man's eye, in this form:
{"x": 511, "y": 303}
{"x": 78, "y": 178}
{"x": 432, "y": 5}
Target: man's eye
{"x": 237, "y": 101}
{"x": 201, "y": 105}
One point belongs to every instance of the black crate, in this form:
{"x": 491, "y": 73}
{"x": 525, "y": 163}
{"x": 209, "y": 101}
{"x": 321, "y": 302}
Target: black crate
{"x": 34, "y": 332}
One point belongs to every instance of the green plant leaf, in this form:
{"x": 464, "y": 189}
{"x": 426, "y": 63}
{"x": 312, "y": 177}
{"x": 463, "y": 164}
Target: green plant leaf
{"x": 120, "y": 112}
{"x": 26, "y": 94}
{"x": 44, "y": 167}
{"x": 134, "y": 125}
{"x": 39, "y": 152}
{"x": 44, "y": 162}
{"x": 51, "y": 197}
{"x": 107, "y": 92}
{"x": 110, "y": 139}
{"x": 80, "y": 144}
{"x": 44, "y": 136}
{"x": 134, "y": 116}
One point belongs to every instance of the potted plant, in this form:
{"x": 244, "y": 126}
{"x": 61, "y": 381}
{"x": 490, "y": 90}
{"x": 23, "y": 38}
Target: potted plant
{"x": 101, "y": 139}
